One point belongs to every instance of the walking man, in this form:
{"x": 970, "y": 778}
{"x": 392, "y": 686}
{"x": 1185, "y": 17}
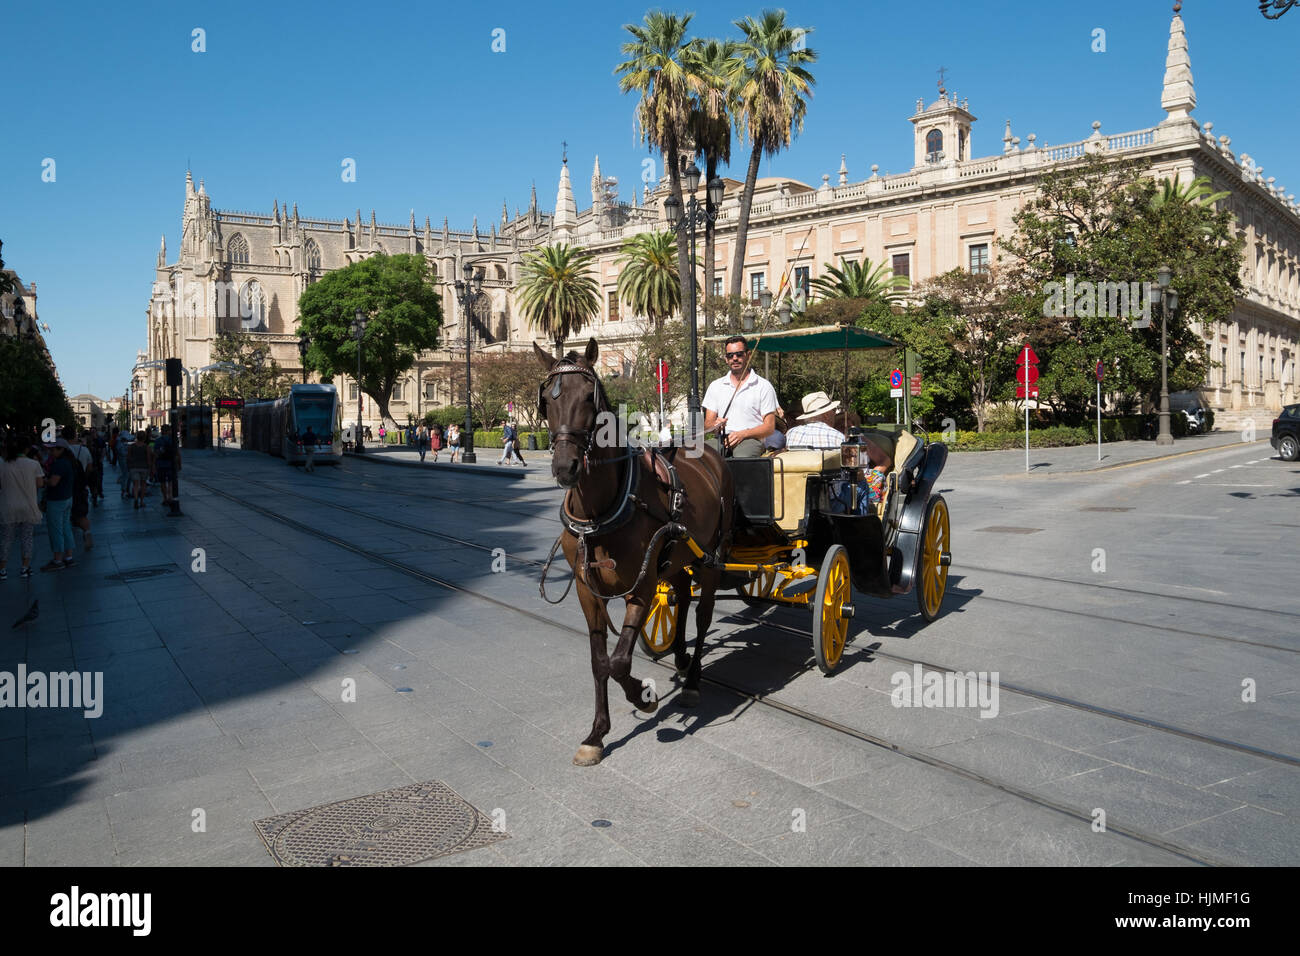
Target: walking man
{"x": 309, "y": 447}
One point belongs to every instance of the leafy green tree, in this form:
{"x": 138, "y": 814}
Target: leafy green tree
{"x": 657, "y": 69}
{"x": 772, "y": 89}
{"x": 558, "y": 293}
{"x": 29, "y": 390}
{"x": 259, "y": 376}
{"x": 1105, "y": 221}
{"x": 649, "y": 282}
{"x": 854, "y": 280}
{"x": 403, "y": 307}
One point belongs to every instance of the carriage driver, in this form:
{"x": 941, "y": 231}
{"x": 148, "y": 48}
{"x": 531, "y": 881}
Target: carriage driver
{"x": 746, "y": 407}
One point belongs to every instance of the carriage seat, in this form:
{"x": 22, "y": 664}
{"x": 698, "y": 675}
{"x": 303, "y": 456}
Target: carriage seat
{"x": 906, "y": 448}
{"x": 790, "y": 471}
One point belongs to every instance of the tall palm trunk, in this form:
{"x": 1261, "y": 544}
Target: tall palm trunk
{"x": 742, "y": 221}
{"x": 683, "y": 245}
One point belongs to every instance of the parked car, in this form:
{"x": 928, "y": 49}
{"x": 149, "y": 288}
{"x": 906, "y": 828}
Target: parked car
{"x": 1286, "y": 433}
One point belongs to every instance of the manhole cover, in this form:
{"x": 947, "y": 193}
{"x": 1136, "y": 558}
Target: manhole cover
{"x": 140, "y": 574}
{"x": 396, "y": 827}
{"x": 1003, "y": 529}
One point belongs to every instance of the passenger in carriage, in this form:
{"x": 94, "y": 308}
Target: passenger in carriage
{"x": 818, "y": 429}
{"x": 776, "y": 441}
{"x": 879, "y": 450}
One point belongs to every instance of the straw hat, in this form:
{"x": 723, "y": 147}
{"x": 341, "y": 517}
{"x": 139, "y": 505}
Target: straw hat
{"x": 815, "y": 404}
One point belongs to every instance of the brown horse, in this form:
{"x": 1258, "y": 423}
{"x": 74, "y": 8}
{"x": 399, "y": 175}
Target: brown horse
{"x": 628, "y": 525}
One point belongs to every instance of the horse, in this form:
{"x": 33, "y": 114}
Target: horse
{"x": 631, "y": 518}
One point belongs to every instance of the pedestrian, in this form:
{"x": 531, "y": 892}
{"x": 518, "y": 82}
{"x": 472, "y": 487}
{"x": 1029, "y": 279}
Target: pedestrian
{"x": 453, "y": 441}
{"x": 139, "y": 459}
{"x": 59, "y": 486}
{"x": 165, "y": 455}
{"x": 434, "y": 437}
{"x": 309, "y": 447}
{"x": 382, "y": 433}
{"x": 84, "y": 464}
{"x": 515, "y": 428}
{"x": 123, "y": 442}
{"x": 98, "y": 446}
{"x": 20, "y": 477}
{"x": 507, "y": 443}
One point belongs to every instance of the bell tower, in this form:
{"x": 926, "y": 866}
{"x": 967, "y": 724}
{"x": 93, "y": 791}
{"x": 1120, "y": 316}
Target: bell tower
{"x": 941, "y": 131}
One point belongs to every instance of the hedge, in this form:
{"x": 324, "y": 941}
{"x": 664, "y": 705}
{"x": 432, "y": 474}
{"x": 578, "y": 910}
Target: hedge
{"x": 492, "y": 439}
{"x": 1057, "y": 436}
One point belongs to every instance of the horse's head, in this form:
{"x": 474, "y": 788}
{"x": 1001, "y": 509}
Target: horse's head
{"x": 570, "y": 398}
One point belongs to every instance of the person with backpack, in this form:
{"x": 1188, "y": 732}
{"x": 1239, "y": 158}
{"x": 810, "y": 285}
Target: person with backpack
{"x": 453, "y": 441}
{"x": 84, "y": 466}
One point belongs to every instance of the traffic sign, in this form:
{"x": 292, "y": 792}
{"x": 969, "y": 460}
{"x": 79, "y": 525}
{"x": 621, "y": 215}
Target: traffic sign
{"x": 1023, "y": 370}
{"x": 916, "y": 384}
{"x": 1020, "y": 391}
{"x": 1099, "y": 370}
{"x": 661, "y": 371}
{"x": 896, "y": 378}
{"x": 1027, "y": 350}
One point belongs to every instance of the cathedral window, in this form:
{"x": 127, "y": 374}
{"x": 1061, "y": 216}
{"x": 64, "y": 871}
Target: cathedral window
{"x": 252, "y": 307}
{"x": 237, "y": 250}
{"x": 311, "y": 256}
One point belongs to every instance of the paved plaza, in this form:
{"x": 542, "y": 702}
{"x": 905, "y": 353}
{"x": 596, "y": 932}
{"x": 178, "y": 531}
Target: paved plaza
{"x": 1140, "y": 622}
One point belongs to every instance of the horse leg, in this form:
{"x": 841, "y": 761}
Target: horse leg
{"x": 681, "y": 582}
{"x": 708, "y": 578}
{"x": 640, "y": 693}
{"x": 593, "y": 748}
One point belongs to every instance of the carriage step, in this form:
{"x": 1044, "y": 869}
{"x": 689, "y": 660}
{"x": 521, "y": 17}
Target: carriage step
{"x": 799, "y": 586}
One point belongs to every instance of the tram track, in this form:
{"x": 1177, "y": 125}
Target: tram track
{"x": 1154, "y": 841}
{"x": 900, "y": 658}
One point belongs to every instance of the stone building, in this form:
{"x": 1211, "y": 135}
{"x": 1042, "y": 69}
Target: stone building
{"x": 947, "y": 211}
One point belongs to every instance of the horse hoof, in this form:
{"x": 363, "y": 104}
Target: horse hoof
{"x": 648, "y": 708}
{"x": 648, "y": 702}
{"x": 682, "y": 672}
{"x": 588, "y": 756}
{"x": 689, "y": 697}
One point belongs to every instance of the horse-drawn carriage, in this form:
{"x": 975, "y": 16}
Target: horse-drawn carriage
{"x": 657, "y": 528}
{"x": 809, "y": 530}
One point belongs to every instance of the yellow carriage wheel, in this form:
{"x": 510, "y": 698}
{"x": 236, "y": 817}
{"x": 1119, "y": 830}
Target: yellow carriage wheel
{"x": 660, "y": 627}
{"x": 936, "y": 547}
{"x": 832, "y": 609}
{"x": 759, "y": 587}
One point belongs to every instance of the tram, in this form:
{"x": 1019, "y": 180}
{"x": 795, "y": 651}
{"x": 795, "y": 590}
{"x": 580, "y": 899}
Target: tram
{"x": 277, "y": 427}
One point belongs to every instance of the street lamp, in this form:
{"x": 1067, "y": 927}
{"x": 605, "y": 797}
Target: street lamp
{"x": 467, "y": 290}
{"x": 1168, "y": 304}
{"x": 358, "y": 330}
{"x": 693, "y": 218}
{"x": 304, "y": 343}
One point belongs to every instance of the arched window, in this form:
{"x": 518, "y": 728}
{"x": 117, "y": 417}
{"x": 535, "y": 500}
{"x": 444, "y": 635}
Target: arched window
{"x": 237, "y": 250}
{"x": 933, "y": 144}
{"x": 311, "y": 256}
{"x": 252, "y": 307}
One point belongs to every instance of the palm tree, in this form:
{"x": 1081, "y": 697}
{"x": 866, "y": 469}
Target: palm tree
{"x": 772, "y": 89}
{"x": 1195, "y": 192}
{"x": 656, "y": 70}
{"x": 854, "y": 281}
{"x": 557, "y": 292}
{"x": 649, "y": 282}
{"x": 712, "y": 65}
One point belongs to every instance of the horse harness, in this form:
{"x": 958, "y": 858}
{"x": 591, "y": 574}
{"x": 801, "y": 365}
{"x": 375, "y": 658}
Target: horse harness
{"x": 625, "y": 504}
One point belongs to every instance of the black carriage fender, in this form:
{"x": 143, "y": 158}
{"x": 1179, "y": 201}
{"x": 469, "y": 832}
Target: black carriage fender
{"x": 936, "y": 456}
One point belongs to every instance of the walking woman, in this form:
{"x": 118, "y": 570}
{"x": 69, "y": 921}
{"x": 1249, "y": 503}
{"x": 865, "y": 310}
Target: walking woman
{"x": 58, "y": 505}
{"x": 422, "y": 441}
{"x": 435, "y": 441}
{"x": 453, "y": 441}
{"x": 20, "y": 476}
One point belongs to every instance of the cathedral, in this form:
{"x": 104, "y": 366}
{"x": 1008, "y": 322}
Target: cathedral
{"x": 245, "y": 271}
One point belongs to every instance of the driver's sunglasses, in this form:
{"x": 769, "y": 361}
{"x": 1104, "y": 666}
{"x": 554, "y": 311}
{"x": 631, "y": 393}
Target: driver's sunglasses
{"x": 736, "y": 355}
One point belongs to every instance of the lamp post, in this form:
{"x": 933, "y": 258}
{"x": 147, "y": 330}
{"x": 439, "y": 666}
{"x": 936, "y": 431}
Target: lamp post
{"x": 1168, "y": 304}
{"x": 304, "y": 343}
{"x": 467, "y": 290}
{"x": 358, "y": 330}
{"x": 695, "y": 216}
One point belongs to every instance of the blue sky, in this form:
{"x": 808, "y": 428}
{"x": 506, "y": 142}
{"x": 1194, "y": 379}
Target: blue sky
{"x": 439, "y": 123}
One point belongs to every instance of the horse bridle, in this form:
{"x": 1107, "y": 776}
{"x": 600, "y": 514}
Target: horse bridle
{"x": 581, "y": 438}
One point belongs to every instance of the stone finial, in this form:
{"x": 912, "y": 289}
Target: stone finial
{"x": 1096, "y": 130}
{"x": 275, "y": 209}
{"x": 875, "y": 170}
{"x": 566, "y": 210}
{"x": 844, "y": 170}
{"x": 1178, "y": 98}
{"x": 295, "y": 214}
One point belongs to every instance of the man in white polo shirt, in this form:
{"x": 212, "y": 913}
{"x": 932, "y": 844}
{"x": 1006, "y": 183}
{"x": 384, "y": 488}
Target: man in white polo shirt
{"x": 745, "y": 407}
